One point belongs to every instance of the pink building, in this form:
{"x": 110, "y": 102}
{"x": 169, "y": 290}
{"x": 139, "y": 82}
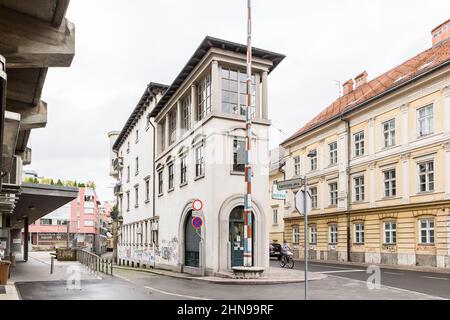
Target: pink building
{"x": 84, "y": 218}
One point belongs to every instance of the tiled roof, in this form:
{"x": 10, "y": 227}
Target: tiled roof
{"x": 435, "y": 57}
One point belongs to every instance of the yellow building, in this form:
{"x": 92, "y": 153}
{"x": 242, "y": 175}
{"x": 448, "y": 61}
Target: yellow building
{"x": 378, "y": 167}
{"x": 277, "y": 199}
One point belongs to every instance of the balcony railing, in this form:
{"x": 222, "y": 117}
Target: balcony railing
{"x": 118, "y": 189}
{"x": 118, "y": 163}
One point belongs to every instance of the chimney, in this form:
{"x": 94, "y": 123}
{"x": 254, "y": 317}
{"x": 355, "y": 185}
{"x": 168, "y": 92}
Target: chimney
{"x": 361, "y": 79}
{"x": 441, "y": 32}
{"x": 348, "y": 86}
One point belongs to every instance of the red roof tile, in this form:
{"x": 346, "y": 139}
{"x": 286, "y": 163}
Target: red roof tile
{"x": 429, "y": 59}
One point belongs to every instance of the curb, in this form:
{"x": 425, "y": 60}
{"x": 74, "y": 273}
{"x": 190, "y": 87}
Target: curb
{"x": 384, "y": 266}
{"x": 230, "y": 281}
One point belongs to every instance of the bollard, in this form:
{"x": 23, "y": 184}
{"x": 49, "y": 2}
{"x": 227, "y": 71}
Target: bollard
{"x": 51, "y": 265}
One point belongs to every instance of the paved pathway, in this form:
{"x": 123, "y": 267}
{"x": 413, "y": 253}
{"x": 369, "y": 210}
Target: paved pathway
{"x": 433, "y": 283}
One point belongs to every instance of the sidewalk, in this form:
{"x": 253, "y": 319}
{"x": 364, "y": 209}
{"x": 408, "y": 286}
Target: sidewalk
{"x": 384, "y": 266}
{"x": 272, "y": 276}
{"x": 37, "y": 268}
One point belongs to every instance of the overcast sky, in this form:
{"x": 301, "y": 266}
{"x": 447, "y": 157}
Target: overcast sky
{"x": 123, "y": 45}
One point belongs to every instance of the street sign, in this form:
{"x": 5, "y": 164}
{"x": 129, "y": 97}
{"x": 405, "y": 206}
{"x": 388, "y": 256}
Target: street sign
{"x": 197, "y": 222}
{"x": 197, "y": 213}
{"x": 290, "y": 184}
{"x": 197, "y": 205}
{"x": 299, "y": 199}
{"x": 278, "y": 194}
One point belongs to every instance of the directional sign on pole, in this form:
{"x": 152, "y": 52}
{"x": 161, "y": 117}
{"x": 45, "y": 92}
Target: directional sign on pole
{"x": 299, "y": 199}
{"x": 290, "y": 184}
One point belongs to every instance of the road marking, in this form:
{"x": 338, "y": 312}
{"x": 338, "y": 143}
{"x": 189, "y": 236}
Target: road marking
{"x": 436, "y": 278}
{"x": 331, "y": 267}
{"x": 341, "y": 271}
{"x": 176, "y": 294}
{"x": 394, "y": 273}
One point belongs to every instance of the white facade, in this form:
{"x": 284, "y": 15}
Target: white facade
{"x": 183, "y": 131}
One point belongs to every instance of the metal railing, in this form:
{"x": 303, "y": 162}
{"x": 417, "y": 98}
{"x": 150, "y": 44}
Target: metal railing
{"x": 94, "y": 262}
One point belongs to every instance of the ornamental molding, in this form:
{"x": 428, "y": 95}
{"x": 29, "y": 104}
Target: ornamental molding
{"x": 405, "y": 156}
{"x": 388, "y": 215}
{"x": 425, "y": 212}
{"x": 404, "y": 108}
{"x": 446, "y": 91}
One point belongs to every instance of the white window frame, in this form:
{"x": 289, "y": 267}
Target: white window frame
{"x": 426, "y": 174}
{"x": 428, "y": 123}
{"x": 295, "y": 234}
{"x": 204, "y": 97}
{"x": 275, "y": 216}
{"x": 128, "y": 200}
{"x": 314, "y": 197}
{"x": 359, "y": 146}
{"x": 389, "y": 133}
{"x": 297, "y": 165}
{"x": 312, "y": 234}
{"x": 389, "y": 193}
{"x": 429, "y": 229}
{"x": 236, "y": 141}
{"x": 186, "y": 110}
{"x": 170, "y": 176}
{"x": 160, "y": 174}
{"x": 136, "y": 172}
{"x": 332, "y": 233}
{"x": 358, "y": 229}
{"x": 359, "y": 189}
{"x": 147, "y": 189}
{"x": 136, "y": 196}
{"x": 199, "y": 161}
{"x": 332, "y": 151}
{"x": 390, "y": 234}
{"x": 183, "y": 170}
{"x": 333, "y": 194}
{"x": 313, "y": 161}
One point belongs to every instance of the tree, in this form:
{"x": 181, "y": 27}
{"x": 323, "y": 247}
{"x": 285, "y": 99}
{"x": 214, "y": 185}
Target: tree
{"x": 52, "y": 182}
{"x": 59, "y": 183}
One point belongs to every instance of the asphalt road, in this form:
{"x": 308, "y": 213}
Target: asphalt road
{"x": 436, "y": 284}
{"x": 135, "y": 285}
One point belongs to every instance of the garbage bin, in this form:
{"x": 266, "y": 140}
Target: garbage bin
{"x": 4, "y": 271}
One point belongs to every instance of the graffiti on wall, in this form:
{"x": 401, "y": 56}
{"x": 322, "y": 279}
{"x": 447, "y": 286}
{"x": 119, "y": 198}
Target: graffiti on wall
{"x": 166, "y": 253}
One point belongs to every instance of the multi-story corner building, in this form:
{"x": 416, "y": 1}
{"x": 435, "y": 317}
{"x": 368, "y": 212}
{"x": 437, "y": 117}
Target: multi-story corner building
{"x": 200, "y": 133}
{"x": 277, "y": 198}
{"x": 132, "y": 165}
{"x": 84, "y": 218}
{"x": 378, "y": 166}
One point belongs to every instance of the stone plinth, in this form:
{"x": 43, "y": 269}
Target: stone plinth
{"x": 247, "y": 272}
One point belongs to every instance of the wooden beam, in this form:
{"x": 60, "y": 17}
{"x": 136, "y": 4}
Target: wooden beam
{"x": 28, "y": 42}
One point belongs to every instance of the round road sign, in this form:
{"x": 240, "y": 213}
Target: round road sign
{"x": 197, "y": 222}
{"x": 197, "y": 205}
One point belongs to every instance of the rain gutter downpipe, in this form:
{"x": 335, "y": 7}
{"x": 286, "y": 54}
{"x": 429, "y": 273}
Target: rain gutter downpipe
{"x": 347, "y": 169}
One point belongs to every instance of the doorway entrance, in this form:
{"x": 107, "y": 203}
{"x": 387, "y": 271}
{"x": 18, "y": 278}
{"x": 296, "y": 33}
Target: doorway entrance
{"x": 236, "y": 231}
{"x": 191, "y": 243}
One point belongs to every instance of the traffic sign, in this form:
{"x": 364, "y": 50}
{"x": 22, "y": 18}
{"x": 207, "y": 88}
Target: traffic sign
{"x": 290, "y": 184}
{"x": 299, "y": 199}
{"x": 197, "y": 222}
{"x": 197, "y": 205}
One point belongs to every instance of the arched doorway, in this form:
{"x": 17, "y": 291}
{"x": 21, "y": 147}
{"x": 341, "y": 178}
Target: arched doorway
{"x": 191, "y": 243}
{"x": 236, "y": 232}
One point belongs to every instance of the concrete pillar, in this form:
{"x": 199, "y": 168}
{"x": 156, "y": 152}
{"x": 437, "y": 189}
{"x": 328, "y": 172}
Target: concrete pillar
{"x": 405, "y": 174}
{"x": 264, "y": 102}
{"x": 446, "y": 104}
{"x": 322, "y": 156}
{"x": 25, "y": 239}
{"x": 371, "y": 137}
{"x": 447, "y": 170}
{"x": 372, "y": 185}
{"x": 404, "y": 124}
{"x": 258, "y": 110}
{"x": 215, "y": 87}
{"x": 194, "y": 107}
{"x": 166, "y": 133}
{"x": 179, "y": 131}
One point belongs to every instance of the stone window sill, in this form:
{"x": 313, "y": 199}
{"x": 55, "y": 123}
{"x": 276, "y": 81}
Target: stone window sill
{"x": 170, "y": 190}
{"x": 199, "y": 177}
{"x": 183, "y": 184}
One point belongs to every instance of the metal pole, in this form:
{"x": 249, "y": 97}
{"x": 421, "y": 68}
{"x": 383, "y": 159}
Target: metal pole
{"x": 248, "y": 159}
{"x": 306, "y": 236}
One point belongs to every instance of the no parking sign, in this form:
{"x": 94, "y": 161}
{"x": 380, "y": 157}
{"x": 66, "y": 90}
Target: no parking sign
{"x": 197, "y": 222}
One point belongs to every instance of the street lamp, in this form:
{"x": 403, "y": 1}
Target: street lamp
{"x": 311, "y": 154}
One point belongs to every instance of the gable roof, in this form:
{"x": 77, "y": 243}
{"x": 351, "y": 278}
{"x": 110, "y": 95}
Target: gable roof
{"x": 135, "y": 115}
{"x": 425, "y": 62}
{"x": 202, "y": 50}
